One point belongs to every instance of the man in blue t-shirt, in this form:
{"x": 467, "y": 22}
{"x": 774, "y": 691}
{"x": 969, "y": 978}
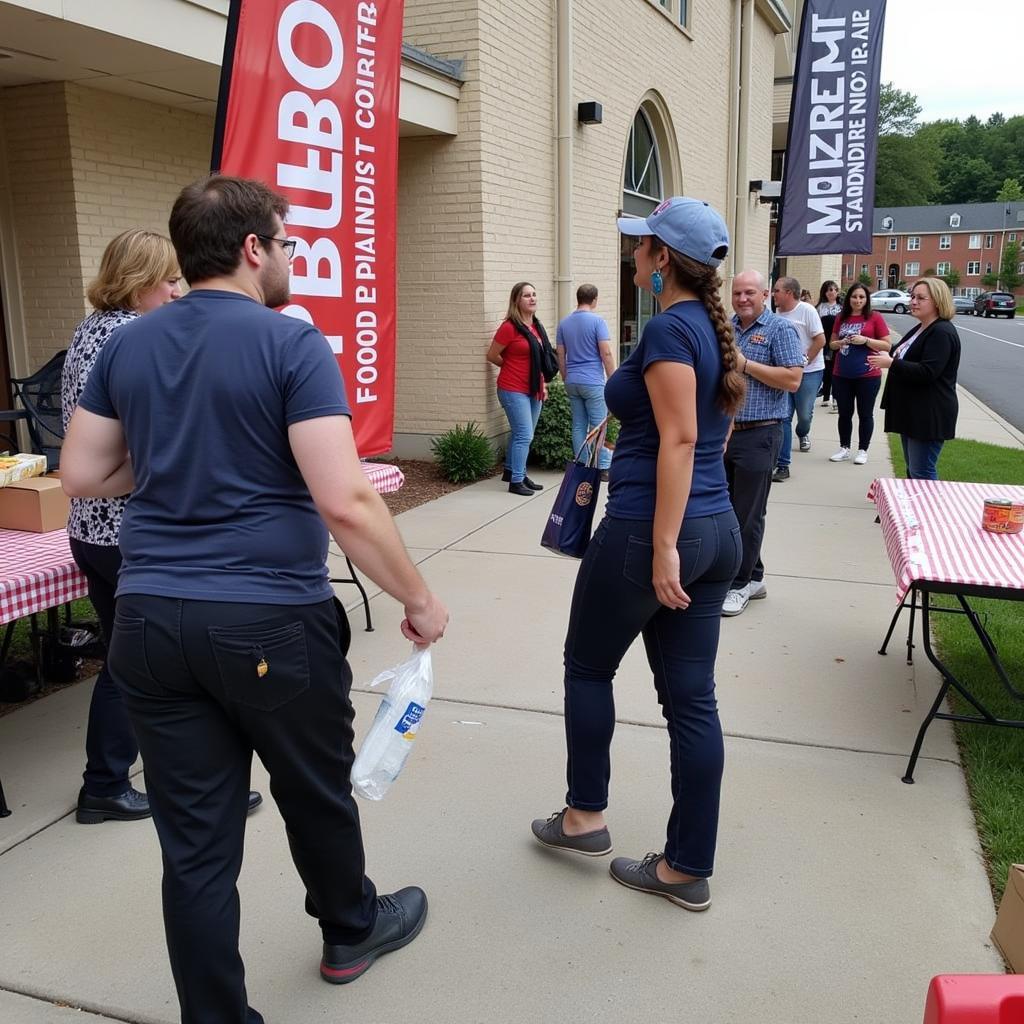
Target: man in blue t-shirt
{"x": 586, "y": 361}
{"x": 227, "y": 636}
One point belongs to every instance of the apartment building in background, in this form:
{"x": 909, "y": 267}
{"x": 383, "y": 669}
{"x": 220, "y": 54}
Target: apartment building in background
{"x": 915, "y": 241}
{"x": 507, "y": 169}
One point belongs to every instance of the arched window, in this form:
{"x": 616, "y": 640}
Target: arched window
{"x": 643, "y": 187}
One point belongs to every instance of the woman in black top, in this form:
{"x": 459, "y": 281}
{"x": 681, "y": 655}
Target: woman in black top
{"x": 919, "y": 398}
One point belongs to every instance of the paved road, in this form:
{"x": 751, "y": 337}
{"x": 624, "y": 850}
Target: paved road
{"x": 991, "y": 361}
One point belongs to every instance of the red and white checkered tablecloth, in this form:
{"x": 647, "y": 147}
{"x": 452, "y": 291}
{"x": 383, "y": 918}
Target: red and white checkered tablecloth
{"x": 36, "y": 572}
{"x": 933, "y": 534}
{"x": 386, "y": 479}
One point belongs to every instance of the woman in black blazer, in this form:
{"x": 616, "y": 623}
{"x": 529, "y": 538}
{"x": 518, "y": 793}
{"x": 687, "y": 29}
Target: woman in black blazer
{"x": 920, "y": 390}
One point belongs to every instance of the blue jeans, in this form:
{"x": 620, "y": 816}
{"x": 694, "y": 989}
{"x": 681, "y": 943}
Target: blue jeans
{"x": 921, "y": 457}
{"x": 802, "y": 403}
{"x": 522, "y": 411}
{"x": 613, "y": 602}
{"x": 588, "y": 410}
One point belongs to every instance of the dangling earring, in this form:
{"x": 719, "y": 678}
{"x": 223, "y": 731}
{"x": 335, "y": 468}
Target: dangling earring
{"x": 657, "y": 282}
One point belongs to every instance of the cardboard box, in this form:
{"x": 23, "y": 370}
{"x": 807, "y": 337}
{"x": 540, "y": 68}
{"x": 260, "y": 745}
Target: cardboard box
{"x": 37, "y": 505}
{"x": 20, "y": 467}
{"x": 1008, "y": 931}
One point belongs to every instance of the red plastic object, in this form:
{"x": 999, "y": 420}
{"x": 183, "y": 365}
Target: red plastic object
{"x": 975, "y": 999}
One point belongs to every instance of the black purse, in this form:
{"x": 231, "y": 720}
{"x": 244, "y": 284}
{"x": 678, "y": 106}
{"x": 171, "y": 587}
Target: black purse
{"x": 571, "y": 520}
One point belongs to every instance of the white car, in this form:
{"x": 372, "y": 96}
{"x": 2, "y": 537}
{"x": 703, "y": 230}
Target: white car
{"x": 891, "y": 300}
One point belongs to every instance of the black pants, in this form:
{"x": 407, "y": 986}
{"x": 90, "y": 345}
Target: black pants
{"x": 749, "y": 463}
{"x": 110, "y": 747}
{"x": 206, "y": 684}
{"x": 863, "y": 391}
{"x": 826, "y": 380}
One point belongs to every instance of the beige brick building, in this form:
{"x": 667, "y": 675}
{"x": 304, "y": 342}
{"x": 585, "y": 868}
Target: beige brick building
{"x": 106, "y": 109}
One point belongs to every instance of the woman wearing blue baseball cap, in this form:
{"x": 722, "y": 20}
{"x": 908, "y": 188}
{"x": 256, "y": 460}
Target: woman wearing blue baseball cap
{"x": 660, "y": 563}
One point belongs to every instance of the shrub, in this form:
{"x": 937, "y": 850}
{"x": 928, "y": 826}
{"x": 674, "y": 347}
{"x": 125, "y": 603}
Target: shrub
{"x": 552, "y": 440}
{"x": 464, "y": 454}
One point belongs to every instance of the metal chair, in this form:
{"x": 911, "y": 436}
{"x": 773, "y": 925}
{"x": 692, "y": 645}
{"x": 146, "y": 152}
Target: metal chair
{"x": 40, "y": 397}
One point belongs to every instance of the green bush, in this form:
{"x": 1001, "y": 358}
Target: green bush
{"x": 463, "y": 453}
{"x": 552, "y": 440}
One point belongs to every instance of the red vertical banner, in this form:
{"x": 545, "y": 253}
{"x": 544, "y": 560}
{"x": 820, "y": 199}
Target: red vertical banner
{"x": 309, "y": 104}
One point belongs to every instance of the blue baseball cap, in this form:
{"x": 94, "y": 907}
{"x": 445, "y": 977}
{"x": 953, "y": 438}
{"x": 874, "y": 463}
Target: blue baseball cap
{"x": 689, "y": 226}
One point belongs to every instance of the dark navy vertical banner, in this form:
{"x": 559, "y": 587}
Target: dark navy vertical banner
{"x": 828, "y": 188}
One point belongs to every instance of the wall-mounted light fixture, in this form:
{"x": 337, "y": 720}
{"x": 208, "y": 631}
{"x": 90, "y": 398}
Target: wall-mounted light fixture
{"x": 589, "y": 112}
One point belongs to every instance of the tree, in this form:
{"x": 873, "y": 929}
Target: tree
{"x": 865, "y": 278}
{"x": 990, "y": 280}
{"x": 952, "y": 278}
{"x": 1011, "y": 192}
{"x": 905, "y": 170}
{"x": 897, "y": 111}
{"x": 1009, "y": 277}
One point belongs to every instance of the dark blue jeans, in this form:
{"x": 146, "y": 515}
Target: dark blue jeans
{"x": 922, "y": 458}
{"x": 612, "y": 604}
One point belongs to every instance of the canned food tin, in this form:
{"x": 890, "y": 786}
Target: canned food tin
{"x": 1000, "y": 515}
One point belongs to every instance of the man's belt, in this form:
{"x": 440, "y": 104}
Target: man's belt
{"x": 750, "y": 424}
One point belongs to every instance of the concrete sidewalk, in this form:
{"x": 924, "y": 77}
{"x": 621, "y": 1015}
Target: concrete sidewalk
{"x": 839, "y": 891}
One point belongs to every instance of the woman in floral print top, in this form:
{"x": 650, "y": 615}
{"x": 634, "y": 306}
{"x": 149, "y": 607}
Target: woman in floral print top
{"x": 138, "y": 272}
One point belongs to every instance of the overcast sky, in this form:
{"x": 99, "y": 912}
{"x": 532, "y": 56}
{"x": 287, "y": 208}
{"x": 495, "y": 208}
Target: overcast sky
{"x": 959, "y": 58}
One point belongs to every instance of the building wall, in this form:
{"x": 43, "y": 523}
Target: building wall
{"x": 43, "y": 222}
{"x": 443, "y": 377}
{"x": 479, "y": 212}
{"x": 82, "y": 166}
{"x": 130, "y": 160}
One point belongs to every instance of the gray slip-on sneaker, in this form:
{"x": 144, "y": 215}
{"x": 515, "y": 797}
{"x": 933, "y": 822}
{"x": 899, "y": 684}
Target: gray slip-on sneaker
{"x": 642, "y": 875}
{"x": 548, "y": 831}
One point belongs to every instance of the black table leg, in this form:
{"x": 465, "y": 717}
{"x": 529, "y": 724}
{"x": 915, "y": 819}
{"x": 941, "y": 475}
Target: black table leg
{"x": 5, "y": 811}
{"x": 353, "y": 577}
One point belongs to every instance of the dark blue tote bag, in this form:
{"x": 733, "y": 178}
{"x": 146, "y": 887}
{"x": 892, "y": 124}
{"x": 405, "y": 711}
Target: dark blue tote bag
{"x": 571, "y": 520}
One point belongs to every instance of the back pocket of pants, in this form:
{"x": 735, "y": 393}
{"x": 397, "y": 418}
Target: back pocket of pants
{"x": 261, "y": 667}
{"x": 638, "y": 565}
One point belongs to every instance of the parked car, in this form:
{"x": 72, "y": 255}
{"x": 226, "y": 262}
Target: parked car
{"x": 963, "y": 304}
{"x": 891, "y": 299}
{"x": 995, "y": 304}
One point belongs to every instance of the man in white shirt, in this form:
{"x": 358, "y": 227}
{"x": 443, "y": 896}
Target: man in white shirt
{"x": 807, "y": 324}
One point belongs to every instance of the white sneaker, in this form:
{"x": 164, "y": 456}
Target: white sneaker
{"x": 805, "y": 444}
{"x": 860, "y": 458}
{"x": 736, "y": 601}
{"x": 835, "y": 406}
{"x": 842, "y": 456}
{"x": 756, "y": 590}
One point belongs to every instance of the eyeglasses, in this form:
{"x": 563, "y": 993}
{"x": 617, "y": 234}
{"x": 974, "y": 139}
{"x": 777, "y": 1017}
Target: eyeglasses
{"x": 288, "y": 244}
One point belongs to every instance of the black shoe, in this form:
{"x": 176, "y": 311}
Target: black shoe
{"x": 533, "y": 487}
{"x": 519, "y": 488}
{"x": 255, "y": 799}
{"x": 506, "y": 477}
{"x": 400, "y": 918}
{"x": 781, "y": 474}
{"x": 131, "y": 805}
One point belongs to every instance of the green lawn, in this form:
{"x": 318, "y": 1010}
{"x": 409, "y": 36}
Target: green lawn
{"x": 993, "y": 758}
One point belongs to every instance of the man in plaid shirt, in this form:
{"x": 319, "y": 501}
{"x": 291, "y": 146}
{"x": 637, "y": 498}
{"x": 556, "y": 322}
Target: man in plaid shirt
{"x": 772, "y": 359}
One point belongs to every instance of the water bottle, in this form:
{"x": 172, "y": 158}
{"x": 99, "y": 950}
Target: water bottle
{"x": 389, "y": 741}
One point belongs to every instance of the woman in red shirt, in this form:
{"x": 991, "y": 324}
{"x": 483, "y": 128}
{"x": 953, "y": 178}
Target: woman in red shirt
{"x": 521, "y": 387}
{"x": 856, "y": 333}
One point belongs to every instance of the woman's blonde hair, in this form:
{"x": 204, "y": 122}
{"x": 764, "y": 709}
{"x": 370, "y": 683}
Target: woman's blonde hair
{"x": 513, "y": 313}
{"x": 132, "y": 263}
{"x": 941, "y": 296}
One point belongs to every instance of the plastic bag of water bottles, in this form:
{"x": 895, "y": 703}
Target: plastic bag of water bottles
{"x": 389, "y": 742}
